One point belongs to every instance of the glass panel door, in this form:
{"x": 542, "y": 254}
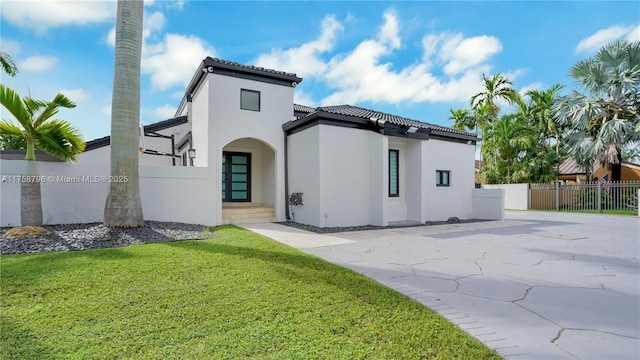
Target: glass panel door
{"x": 236, "y": 177}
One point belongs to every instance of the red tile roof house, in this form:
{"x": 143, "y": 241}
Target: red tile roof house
{"x": 239, "y": 150}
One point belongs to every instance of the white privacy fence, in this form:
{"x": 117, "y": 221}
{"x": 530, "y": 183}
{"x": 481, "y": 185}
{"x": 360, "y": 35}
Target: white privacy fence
{"x": 76, "y": 193}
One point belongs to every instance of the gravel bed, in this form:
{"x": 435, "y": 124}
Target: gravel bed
{"x": 329, "y": 230}
{"x": 96, "y": 235}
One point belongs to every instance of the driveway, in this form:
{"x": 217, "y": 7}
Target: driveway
{"x": 534, "y": 286}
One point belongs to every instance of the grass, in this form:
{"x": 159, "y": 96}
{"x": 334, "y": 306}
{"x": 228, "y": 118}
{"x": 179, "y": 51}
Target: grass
{"x": 238, "y": 296}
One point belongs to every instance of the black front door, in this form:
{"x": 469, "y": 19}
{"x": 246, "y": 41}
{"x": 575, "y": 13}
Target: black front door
{"x": 236, "y": 177}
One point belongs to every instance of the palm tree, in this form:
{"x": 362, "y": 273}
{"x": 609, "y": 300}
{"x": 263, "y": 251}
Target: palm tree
{"x": 505, "y": 142}
{"x": 463, "y": 120}
{"x": 123, "y": 207}
{"x": 541, "y": 111}
{"x": 496, "y": 88}
{"x": 606, "y": 115}
{"x": 38, "y": 130}
{"x": 8, "y": 65}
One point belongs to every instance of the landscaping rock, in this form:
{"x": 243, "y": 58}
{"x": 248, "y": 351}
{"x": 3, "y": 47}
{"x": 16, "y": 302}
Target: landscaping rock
{"x": 22, "y": 231}
{"x": 96, "y": 235}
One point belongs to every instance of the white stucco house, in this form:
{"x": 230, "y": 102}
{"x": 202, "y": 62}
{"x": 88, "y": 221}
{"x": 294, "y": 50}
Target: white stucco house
{"x": 239, "y": 150}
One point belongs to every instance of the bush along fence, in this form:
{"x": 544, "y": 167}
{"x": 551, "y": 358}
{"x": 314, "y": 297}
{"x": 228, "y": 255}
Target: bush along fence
{"x": 600, "y": 197}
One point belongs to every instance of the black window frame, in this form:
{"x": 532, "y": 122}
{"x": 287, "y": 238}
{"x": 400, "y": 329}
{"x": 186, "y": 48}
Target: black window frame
{"x": 259, "y": 100}
{"x": 397, "y": 171}
{"x": 439, "y": 178}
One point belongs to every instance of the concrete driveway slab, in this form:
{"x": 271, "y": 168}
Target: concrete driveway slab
{"x": 534, "y": 286}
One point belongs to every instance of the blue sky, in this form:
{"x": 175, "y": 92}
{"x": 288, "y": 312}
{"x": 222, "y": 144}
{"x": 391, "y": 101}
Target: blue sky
{"x": 416, "y": 59}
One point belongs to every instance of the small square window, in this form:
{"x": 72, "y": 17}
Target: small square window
{"x": 443, "y": 177}
{"x": 249, "y": 100}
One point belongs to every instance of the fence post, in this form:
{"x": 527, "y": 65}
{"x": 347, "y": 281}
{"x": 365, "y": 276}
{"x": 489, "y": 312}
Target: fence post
{"x": 599, "y": 201}
{"x": 529, "y": 196}
{"x": 557, "y": 195}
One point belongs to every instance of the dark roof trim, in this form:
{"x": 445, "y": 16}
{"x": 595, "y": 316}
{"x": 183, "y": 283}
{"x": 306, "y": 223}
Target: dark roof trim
{"x": 321, "y": 117}
{"x": 20, "y": 155}
{"x": 161, "y": 125}
{"x": 229, "y": 68}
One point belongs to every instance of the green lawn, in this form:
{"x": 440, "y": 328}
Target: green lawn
{"x": 234, "y": 297}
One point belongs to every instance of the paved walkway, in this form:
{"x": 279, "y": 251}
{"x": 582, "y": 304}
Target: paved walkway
{"x": 534, "y": 286}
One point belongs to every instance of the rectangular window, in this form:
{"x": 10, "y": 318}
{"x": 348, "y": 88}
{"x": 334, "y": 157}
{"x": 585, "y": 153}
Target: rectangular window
{"x": 184, "y": 158}
{"x": 443, "y": 177}
{"x": 394, "y": 177}
{"x": 249, "y": 100}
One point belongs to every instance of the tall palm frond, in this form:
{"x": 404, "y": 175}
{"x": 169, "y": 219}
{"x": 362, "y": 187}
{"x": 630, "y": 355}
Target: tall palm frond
{"x": 8, "y": 65}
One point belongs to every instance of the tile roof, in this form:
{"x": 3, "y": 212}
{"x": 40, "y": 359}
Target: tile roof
{"x": 232, "y": 65}
{"x": 393, "y": 119}
{"x": 570, "y": 167}
{"x": 303, "y": 108}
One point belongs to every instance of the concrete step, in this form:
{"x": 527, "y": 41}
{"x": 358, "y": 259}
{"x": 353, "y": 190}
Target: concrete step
{"x": 248, "y": 215}
{"x": 248, "y": 221}
{"x": 255, "y": 210}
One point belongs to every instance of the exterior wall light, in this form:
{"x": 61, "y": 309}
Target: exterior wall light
{"x": 192, "y": 155}
{"x": 412, "y": 130}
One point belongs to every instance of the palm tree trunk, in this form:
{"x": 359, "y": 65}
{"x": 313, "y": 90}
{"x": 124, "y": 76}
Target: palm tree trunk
{"x": 31, "y": 207}
{"x": 123, "y": 207}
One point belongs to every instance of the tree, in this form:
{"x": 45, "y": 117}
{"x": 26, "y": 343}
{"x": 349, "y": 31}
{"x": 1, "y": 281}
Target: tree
{"x": 506, "y": 142}
{"x": 606, "y": 115}
{"x": 8, "y": 65}
{"x": 462, "y": 120}
{"x": 38, "y": 130}
{"x": 123, "y": 207}
{"x": 496, "y": 88}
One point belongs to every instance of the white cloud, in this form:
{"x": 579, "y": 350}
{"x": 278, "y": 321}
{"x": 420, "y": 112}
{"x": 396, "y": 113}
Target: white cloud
{"x": 170, "y": 60}
{"x": 10, "y": 47}
{"x": 165, "y": 112}
{"x": 457, "y": 53}
{"x": 305, "y": 60}
{"x": 362, "y": 74}
{"x": 634, "y": 34}
{"x": 471, "y": 52}
{"x": 173, "y": 61}
{"x": 37, "y": 63}
{"x": 76, "y": 95}
{"x": 43, "y": 15}
{"x": 604, "y": 36}
{"x": 153, "y": 24}
{"x": 107, "y": 110}
{"x": 303, "y": 98}
{"x": 390, "y": 29}
{"x": 533, "y": 86}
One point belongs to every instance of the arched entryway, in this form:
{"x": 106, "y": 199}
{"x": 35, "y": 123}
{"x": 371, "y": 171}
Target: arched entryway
{"x": 248, "y": 187}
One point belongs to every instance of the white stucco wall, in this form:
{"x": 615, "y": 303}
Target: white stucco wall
{"x": 76, "y": 193}
{"x": 199, "y": 117}
{"x": 304, "y": 174}
{"x": 415, "y": 174}
{"x": 344, "y": 176}
{"x": 516, "y": 196}
{"x": 378, "y": 179}
{"x": 398, "y": 205}
{"x": 488, "y": 204}
{"x": 455, "y": 200}
{"x": 227, "y": 122}
{"x": 180, "y": 194}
